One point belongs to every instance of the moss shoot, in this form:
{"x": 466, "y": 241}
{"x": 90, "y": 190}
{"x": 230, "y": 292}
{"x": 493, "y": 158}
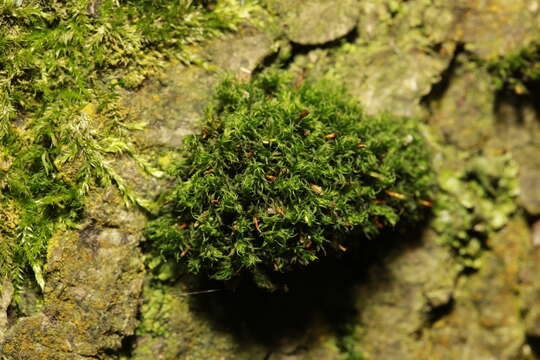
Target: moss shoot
{"x": 283, "y": 174}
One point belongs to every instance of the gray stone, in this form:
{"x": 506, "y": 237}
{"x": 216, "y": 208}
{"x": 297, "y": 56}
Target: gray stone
{"x": 91, "y": 297}
{"x": 464, "y": 115}
{"x": 493, "y": 28}
{"x": 395, "y": 302}
{"x": 317, "y": 22}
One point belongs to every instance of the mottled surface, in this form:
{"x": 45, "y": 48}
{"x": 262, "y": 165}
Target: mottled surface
{"x": 485, "y": 322}
{"x": 6, "y": 294}
{"x": 481, "y": 315}
{"x": 173, "y": 104}
{"x": 528, "y": 275}
{"x": 396, "y": 301}
{"x": 394, "y": 62}
{"x": 171, "y": 331}
{"x": 94, "y": 280}
{"x": 316, "y": 22}
{"x": 518, "y": 131}
{"x": 464, "y": 115}
{"x": 492, "y": 28}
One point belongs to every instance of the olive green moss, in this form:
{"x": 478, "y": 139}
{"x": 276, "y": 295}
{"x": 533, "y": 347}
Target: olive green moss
{"x": 516, "y": 69}
{"x": 61, "y": 123}
{"x": 283, "y": 174}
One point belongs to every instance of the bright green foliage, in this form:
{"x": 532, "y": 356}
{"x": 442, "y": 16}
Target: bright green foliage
{"x": 282, "y": 175}
{"x": 61, "y": 123}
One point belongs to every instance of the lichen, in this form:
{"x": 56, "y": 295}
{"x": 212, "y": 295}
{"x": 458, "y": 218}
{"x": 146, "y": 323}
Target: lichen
{"x": 477, "y": 198}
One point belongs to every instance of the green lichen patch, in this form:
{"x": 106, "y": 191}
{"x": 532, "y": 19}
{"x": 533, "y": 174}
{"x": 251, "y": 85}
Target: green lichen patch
{"x": 282, "y": 175}
{"x": 91, "y": 298}
{"x": 477, "y": 198}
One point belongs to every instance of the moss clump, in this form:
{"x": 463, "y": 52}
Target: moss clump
{"x": 281, "y": 175}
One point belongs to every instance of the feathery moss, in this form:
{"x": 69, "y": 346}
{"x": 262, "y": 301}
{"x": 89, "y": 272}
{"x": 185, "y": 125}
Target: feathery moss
{"x": 61, "y": 122}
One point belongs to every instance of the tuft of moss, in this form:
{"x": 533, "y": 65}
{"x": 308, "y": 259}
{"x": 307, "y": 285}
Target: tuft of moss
{"x": 283, "y": 174}
{"x": 515, "y": 70}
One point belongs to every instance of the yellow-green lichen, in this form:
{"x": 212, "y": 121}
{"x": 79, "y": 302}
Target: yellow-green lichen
{"x": 477, "y": 198}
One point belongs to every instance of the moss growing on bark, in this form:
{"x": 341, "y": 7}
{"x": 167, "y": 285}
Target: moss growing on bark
{"x": 285, "y": 173}
{"x": 61, "y": 122}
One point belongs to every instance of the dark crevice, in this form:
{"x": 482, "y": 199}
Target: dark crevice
{"x": 507, "y": 98}
{"x": 437, "y": 47}
{"x": 468, "y": 271}
{"x": 126, "y": 348}
{"x": 266, "y": 62}
{"x": 534, "y": 343}
{"x": 531, "y": 219}
{"x": 298, "y": 49}
{"x": 439, "y": 89}
{"x": 438, "y": 312}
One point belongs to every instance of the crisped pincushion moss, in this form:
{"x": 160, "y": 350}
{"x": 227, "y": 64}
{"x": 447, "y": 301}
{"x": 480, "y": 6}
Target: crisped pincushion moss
{"x": 282, "y": 175}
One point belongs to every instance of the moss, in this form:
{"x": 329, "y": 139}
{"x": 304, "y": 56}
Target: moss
{"x": 282, "y": 175}
{"x": 61, "y": 122}
{"x": 513, "y": 71}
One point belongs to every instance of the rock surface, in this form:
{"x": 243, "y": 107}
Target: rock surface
{"x": 518, "y": 131}
{"x": 392, "y": 64}
{"x": 172, "y": 331}
{"x": 492, "y": 28}
{"x": 479, "y": 317}
{"x": 463, "y": 116}
{"x": 91, "y": 298}
{"x": 173, "y": 104}
{"x": 485, "y": 322}
{"x": 6, "y": 294}
{"x": 397, "y": 300}
{"x": 316, "y": 22}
